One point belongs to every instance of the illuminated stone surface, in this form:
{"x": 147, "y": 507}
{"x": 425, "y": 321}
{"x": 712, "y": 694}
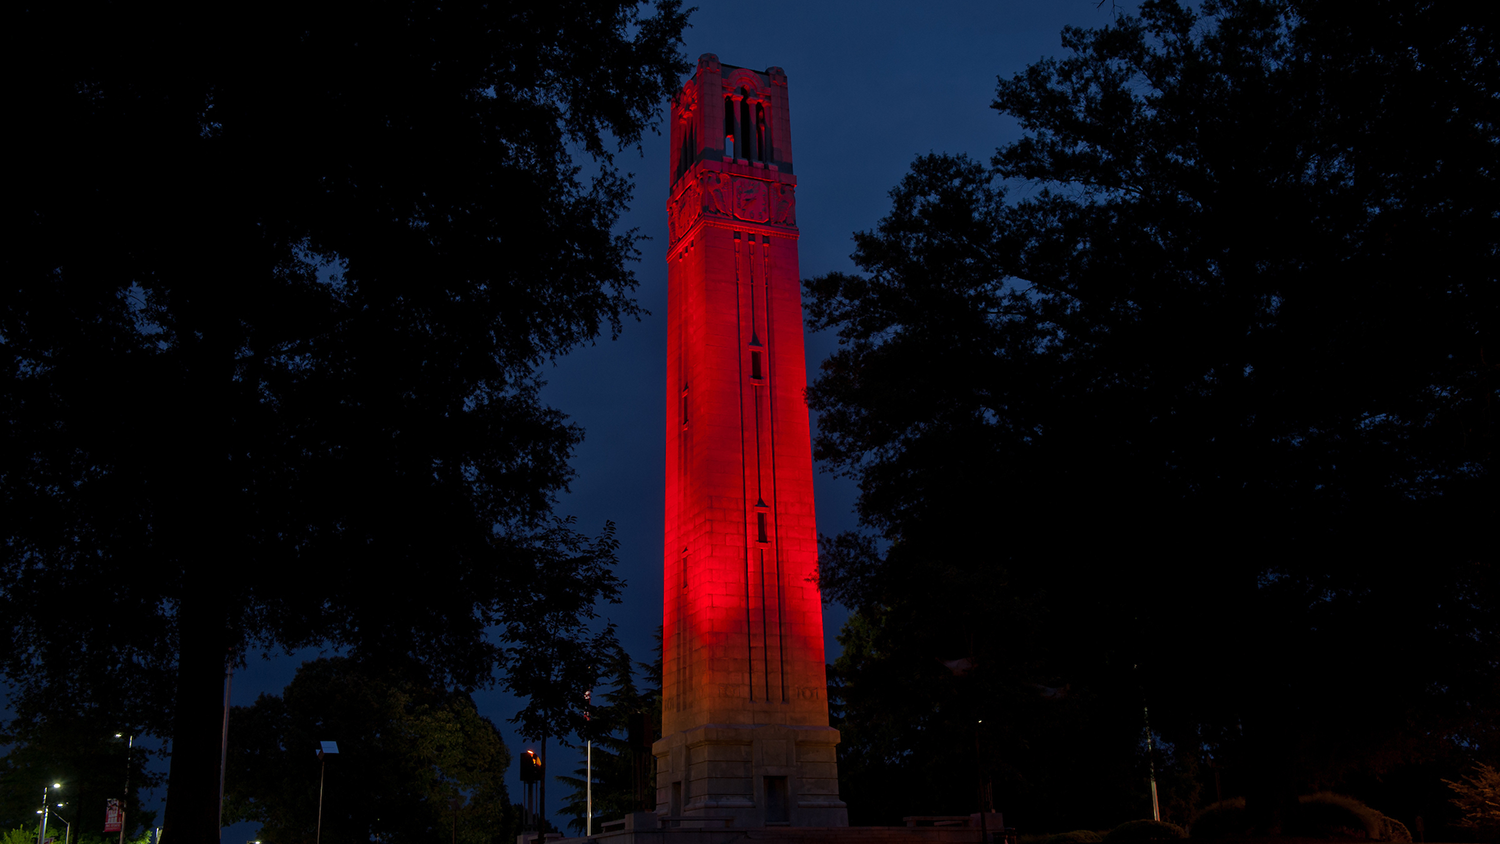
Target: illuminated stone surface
{"x": 745, "y": 714}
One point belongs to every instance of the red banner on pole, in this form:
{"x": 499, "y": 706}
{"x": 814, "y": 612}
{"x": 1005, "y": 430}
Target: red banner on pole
{"x": 114, "y": 816}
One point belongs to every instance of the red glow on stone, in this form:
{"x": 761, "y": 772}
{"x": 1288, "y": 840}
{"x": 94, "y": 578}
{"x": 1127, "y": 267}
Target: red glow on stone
{"x": 742, "y": 636}
{"x": 745, "y": 733}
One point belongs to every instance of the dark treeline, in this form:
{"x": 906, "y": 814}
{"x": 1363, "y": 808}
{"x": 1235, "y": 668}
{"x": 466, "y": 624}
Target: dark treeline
{"x": 277, "y": 289}
{"x": 416, "y": 761}
{"x": 1184, "y": 403}
{"x": 625, "y": 721}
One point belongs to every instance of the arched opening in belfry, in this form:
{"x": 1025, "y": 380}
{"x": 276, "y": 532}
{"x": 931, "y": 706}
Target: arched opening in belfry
{"x": 687, "y": 153}
{"x": 747, "y": 138}
{"x": 762, "y": 134}
{"x": 729, "y": 133}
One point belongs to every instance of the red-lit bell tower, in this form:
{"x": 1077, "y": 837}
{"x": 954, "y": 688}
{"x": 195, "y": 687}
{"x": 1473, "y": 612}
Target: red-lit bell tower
{"x": 745, "y": 710}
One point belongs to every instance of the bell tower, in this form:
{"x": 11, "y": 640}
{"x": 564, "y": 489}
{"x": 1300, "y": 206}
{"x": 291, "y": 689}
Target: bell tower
{"x": 744, "y": 690}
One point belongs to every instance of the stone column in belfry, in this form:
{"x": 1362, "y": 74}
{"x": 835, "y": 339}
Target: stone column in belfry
{"x": 744, "y": 690}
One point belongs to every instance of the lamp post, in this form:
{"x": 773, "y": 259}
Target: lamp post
{"x": 224, "y": 742}
{"x": 67, "y": 827}
{"x": 588, "y": 778}
{"x": 541, "y": 798}
{"x": 1151, "y": 763}
{"x": 325, "y": 749}
{"x": 42, "y": 833}
{"x": 125, "y": 798}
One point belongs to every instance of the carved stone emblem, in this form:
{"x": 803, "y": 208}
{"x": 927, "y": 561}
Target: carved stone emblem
{"x": 715, "y": 193}
{"x": 692, "y": 205}
{"x": 750, "y": 201}
{"x": 785, "y": 211}
{"x": 683, "y": 212}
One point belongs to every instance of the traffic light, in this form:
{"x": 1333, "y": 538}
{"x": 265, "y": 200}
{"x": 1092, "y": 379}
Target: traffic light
{"x": 531, "y": 767}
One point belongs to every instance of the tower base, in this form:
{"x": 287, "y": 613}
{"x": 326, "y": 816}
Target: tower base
{"x": 751, "y": 776}
{"x": 647, "y": 828}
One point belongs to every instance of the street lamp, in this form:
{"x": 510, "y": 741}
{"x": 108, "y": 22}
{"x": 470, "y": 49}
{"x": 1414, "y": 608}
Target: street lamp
{"x": 125, "y": 798}
{"x": 325, "y": 749}
{"x": 67, "y": 827}
{"x": 41, "y": 833}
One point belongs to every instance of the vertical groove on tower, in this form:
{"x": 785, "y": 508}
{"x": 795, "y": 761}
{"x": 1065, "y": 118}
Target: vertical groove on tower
{"x": 771, "y": 375}
{"x": 744, "y": 482}
{"x": 756, "y": 633}
{"x": 685, "y": 455}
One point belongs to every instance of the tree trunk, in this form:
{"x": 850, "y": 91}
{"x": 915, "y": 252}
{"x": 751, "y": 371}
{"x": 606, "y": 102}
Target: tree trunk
{"x": 192, "y": 810}
{"x": 1269, "y": 789}
{"x": 206, "y": 533}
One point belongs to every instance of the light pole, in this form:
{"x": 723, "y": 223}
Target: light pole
{"x": 1151, "y": 763}
{"x": 325, "y": 749}
{"x": 42, "y": 832}
{"x": 125, "y": 798}
{"x": 588, "y": 776}
{"x": 224, "y": 745}
{"x": 67, "y": 827}
{"x": 541, "y": 798}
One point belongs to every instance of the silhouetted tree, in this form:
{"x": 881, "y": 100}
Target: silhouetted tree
{"x": 618, "y": 771}
{"x": 278, "y": 290}
{"x": 416, "y": 762}
{"x": 83, "y": 754}
{"x": 1199, "y": 377}
{"x": 1476, "y": 799}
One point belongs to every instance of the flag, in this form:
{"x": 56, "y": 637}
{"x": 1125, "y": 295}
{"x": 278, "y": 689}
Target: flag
{"x": 114, "y": 816}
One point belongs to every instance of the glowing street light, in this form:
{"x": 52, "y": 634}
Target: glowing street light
{"x": 41, "y": 833}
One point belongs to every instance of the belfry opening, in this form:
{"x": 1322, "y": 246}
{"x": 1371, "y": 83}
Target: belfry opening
{"x": 745, "y": 711}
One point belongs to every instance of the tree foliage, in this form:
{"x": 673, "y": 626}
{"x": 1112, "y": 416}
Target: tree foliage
{"x": 1477, "y": 797}
{"x": 92, "y": 764}
{"x": 624, "y": 776}
{"x": 1186, "y": 400}
{"x": 271, "y": 331}
{"x": 22, "y": 835}
{"x": 416, "y": 761}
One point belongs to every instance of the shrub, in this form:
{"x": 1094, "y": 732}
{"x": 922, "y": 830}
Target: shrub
{"x": 1325, "y": 815}
{"x": 1144, "y": 830}
{"x": 1224, "y": 819}
{"x": 1395, "y": 831}
{"x": 1479, "y": 801}
{"x": 1077, "y": 836}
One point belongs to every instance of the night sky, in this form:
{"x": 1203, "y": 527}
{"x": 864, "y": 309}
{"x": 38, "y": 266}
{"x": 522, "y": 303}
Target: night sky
{"x": 872, "y": 85}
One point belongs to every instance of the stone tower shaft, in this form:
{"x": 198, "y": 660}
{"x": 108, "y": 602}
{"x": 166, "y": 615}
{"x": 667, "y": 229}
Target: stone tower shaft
{"x": 745, "y": 710}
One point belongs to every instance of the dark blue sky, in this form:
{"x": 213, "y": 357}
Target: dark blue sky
{"x": 872, "y": 85}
